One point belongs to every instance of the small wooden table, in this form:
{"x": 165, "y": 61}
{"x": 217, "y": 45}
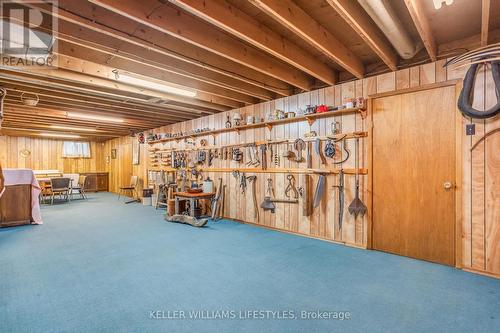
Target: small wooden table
{"x": 192, "y": 198}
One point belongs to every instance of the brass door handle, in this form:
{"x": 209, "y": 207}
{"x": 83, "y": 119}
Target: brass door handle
{"x": 447, "y": 185}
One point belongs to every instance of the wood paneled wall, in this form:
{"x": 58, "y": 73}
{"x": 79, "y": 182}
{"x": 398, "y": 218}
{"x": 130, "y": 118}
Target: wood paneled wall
{"x": 121, "y": 169}
{"x": 47, "y": 154}
{"x": 481, "y": 171}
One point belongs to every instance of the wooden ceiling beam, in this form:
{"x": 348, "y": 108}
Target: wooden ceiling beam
{"x": 236, "y": 22}
{"x": 36, "y": 134}
{"x": 43, "y": 127}
{"x": 485, "y": 21}
{"x": 75, "y": 107}
{"x": 297, "y": 20}
{"x": 60, "y": 111}
{"x": 103, "y": 87}
{"x": 140, "y": 55}
{"x": 153, "y": 41}
{"x": 16, "y": 93}
{"x": 113, "y": 62}
{"x": 94, "y": 73}
{"x": 192, "y": 30}
{"x": 422, "y": 24}
{"x": 361, "y": 23}
{"x": 147, "y": 106}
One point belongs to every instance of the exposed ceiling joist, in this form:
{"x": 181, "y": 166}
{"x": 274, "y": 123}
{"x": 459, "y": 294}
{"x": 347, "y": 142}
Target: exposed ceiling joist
{"x": 422, "y": 24}
{"x": 185, "y": 57}
{"x": 236, "y": 22}
{"x": 357, "y": 18}
{"x": 297, "y": 20}
{"x": 14, "y": 88}
{"x": 485, "y": 21}
{"x": 199, "y": 33}
{"x": 80, "y": 72}
{"x": 214, "y": 93}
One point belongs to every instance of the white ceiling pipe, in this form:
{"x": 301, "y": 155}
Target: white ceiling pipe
{"x": 386, "y": 19}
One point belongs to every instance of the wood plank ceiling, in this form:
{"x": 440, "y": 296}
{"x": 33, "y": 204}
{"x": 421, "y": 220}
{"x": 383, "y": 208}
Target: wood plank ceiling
{"x": 231, "y": 52}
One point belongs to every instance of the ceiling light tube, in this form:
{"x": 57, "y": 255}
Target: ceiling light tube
{"x": 55, "y": 135}
{"x": 162, "y": 87}
{"x": 94, "y": 117}
{"x": 69, "y": 128}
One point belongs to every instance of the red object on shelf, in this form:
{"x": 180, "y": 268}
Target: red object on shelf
{"x": 321, "y": 108}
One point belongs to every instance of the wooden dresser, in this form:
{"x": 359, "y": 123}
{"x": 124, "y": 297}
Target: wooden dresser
{"x": 96, "y": 181}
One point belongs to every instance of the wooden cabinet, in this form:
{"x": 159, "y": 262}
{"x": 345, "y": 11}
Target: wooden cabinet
{"x": 15, "y": 206}
{"x": 96, "y": 182}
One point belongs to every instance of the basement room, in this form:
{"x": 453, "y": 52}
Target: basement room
{"x": 249, "y": 166}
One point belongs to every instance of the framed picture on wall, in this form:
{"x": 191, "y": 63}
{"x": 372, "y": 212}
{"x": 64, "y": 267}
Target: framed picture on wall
{"x": 113, "y": 154}
{"x": 135, "y": 153}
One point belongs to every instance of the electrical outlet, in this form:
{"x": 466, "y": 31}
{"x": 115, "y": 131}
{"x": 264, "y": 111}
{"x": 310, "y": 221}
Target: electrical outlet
{"x": 470, "y": 129}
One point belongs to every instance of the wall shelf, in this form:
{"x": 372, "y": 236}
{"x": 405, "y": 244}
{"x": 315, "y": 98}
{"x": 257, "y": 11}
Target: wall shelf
{"x": 311, "y": 118}
{"x": 272, "y": 170}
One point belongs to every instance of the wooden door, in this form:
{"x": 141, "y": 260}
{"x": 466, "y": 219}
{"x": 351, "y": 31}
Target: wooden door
{"x": 414, "y": 174}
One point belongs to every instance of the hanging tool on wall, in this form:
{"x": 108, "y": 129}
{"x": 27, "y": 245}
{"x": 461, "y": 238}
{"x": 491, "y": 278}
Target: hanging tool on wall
{"x": 253, "y": 181}
{"x": 291, "y": 189}
{"x": 330, "y": 149}
{"x": 357, "y": 206}
{"x": 299, "y": 146}
{"x": 228, "y": 122}
{"x": 211, "y": 156}
{"x": 269, "y": 204}
{"x": 270, "y": 189}
{"x": 237, "y": 155}
{"x": 216, "y": 200}
{"x": 320, "y": 190}
{"x": 340, "y": 186}
{"x": 243, "y": 183}
{"x": 263, "y": 158}
{"x": 344, "y": 147}
{"x": 336, "y": 127}
{"x": 319, "y": 152}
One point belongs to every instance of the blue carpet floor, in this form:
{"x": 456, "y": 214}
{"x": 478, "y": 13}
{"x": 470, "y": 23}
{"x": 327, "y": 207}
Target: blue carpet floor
{"x": 102, "y": 266}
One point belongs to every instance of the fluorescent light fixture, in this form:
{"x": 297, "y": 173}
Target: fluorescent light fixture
{"x": 55, "y": 135}
{"x": 95, "y": 117}
{"x": 135, "y": 81}
{"x": 69, "y": 128}
{"x": 439, "y": 3}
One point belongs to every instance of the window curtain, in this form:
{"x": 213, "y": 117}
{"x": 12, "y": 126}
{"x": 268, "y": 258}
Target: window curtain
{"x": 76, "y": 149}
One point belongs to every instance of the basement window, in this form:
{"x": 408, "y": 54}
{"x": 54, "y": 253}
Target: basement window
{"x": 76, "y": 149}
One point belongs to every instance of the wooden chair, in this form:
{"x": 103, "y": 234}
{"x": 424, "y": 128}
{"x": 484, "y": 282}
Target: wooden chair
{"x": 79, "y": 187}
{"x": 60, "y": 187}
{"x": 129, "y": 189}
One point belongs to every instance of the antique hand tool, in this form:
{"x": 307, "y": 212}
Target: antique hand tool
{"x": 253, "y": 181}
{"x": 291, "y": 187}
{"x": 319, "y": 152}
{"x": 243, "y": 183}
{"x": 357, "y": 206}
{"x": 216, "y": 199}
{"x": 340, "y": 186}
{"x": 320, "y": 190}
{"x": 268, "y": 203}
{"x": 263, "y": 149}
{"x": 299, "y": 146}
{"x": 211, "y": 155}
{"x": 344, "y": 147}
{"x": 330, "y": 149}
{"x": 228, "y": 122}
{"x": 309, "y": 156}
{"x": 270, "y": 189}
{"x": 237, "y": 155}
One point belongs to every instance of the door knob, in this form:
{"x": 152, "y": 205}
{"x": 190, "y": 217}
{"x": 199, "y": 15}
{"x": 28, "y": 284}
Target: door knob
{"x": 447, "y": 185}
